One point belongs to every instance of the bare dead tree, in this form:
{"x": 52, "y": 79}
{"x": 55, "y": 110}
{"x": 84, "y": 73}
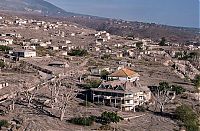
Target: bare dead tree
{"x": 54, "y": 88}
{"x": 162, "y": 97}
{"x": 29, "y": 93}
{"x": 66, "y": 100}
{"x": 14, "y": 98}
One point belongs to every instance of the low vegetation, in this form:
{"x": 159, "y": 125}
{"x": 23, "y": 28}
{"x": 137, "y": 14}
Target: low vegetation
{"x": 84, "y": 121}
{"x": 163, "y": 42}
{"x": 188, "y": 117}
{"x": 2, "y": 64}
{"x": 105, "y": 119}
{"x": 196, "y": 82}
{"x": 3, "y": 123}
{"x": 166, "y": 86}
{"x": 140, "y": 109}
{"x": 2, "y": 112}
{"x": 139, "y": 45}
{"x": 78, "y": 52}
{"x": 91, "y": 84}
{"x": 106, "y": 57}
{"x": 186, "y": 56}
{"x": 104, "y": 74}
{"x": 108, "y": 117}
{"x": 177, "y": 89}
{"x": 5, "y": 48}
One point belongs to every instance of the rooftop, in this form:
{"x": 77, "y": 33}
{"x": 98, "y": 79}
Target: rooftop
{"x": 121, "y": 87}
{"x": 125, "y": 72}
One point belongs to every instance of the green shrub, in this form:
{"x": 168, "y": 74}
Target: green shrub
{"x": 104, "y": 74}
{"x": 189, "y": 118}
{"x": 196, "y": 82}
{"x": 5, "y": 48}
{"x": 165, "y": 86}
{"x": 4, "y": 123}
{"x": 78, "y": 52}
{"x": 92, "y": 84}
{"x": 84, "y": 121}
{"x": 106, "y": 57}
{"x": 140, "y": 109}
{"x": 139, "y": 45}
{"x": 2, "y": 64}
{"x": 108, "y": 117}
{"x": 2, "y": 113}
{"x": 162, "y": 42}
{"x": 178, "y": 89}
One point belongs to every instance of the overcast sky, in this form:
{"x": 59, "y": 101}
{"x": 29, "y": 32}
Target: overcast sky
{"x": 171, "y": 12}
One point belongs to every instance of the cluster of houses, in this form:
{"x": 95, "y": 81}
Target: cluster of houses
{"x": 122, "y": 89}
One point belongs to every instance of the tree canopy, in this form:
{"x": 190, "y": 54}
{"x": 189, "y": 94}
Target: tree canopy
{"x": 165, "y": 86}
{"x": 162, "y": 42}
{"x": 104, "y": 74}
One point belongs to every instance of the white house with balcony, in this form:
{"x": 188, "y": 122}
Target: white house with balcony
{"x": 124, "y": 95}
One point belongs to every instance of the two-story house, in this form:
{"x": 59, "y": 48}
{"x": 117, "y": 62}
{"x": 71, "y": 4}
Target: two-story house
{"x": 124, "y": 95}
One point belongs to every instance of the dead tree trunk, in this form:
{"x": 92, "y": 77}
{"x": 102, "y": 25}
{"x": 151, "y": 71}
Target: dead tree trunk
{"x": 162, "y": 97}
{"x": 29, "y": 95}
{"x": 54, "y": 88}
{"x": 66, "y": 100}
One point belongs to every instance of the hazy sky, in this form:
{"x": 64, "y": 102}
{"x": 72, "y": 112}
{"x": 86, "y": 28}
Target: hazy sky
{"x": 170, "y": 12}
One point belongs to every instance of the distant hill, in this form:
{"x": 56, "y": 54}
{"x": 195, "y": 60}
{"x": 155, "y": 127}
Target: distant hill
{"x": 117, "y": 27}
{"x": 140, "y": 29}
{"x": 33, "y": 6}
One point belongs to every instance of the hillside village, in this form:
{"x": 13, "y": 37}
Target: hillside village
{"x": 54, "y": 71}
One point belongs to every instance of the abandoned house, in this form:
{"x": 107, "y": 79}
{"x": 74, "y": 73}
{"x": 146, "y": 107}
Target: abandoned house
{"x": 124, "y": 95}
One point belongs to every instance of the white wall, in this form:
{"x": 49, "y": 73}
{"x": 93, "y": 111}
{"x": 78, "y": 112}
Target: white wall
{"x": 29, "y": 54}
{"x": 132, "y": 79}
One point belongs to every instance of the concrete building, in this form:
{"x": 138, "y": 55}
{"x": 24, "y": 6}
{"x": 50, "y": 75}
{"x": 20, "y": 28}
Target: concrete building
{"x": 3, "y": 84}
{"x": 5, "y": 41}
{"x": 24, "y": 53}
{"x": 124, "y": 95}
{"x": 98, "y": 70}
{"x": 53, "y": 48}
{"x": 58, "y": 64}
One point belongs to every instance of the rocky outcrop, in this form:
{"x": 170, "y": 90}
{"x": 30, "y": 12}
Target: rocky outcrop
{"x": 186, "y": 69}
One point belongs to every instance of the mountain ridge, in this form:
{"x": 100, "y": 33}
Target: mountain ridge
{"x": 113, "y": 26}
{"x": 41, "y": 7}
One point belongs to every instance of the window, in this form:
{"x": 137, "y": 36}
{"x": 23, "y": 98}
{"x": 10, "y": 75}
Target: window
{"x": 141, "y": 97}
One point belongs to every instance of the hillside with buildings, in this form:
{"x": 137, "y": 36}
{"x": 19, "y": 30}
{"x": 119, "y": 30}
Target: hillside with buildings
{"x": 56, "y": 74}
{"x": 113, "y": 26}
